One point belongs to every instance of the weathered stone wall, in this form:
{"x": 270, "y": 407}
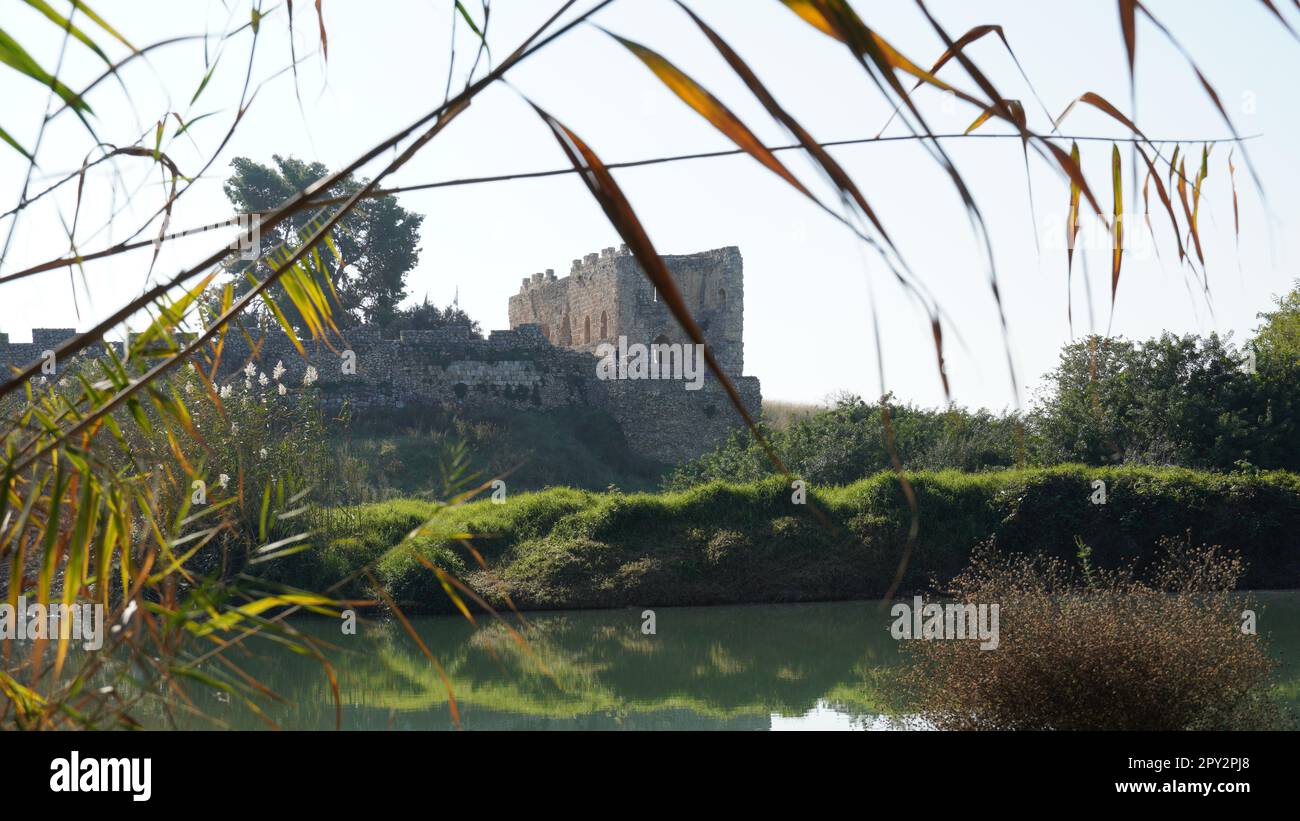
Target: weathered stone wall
{"x": 21, "y": 354}
{"x": 674, "y": 425}
{"x": 578, "y": 311}
{"x": 516, "y": 368}
{"x": 712, "y": 285}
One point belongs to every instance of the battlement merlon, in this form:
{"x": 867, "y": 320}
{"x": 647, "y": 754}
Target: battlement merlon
{"x": 584, "y": 266}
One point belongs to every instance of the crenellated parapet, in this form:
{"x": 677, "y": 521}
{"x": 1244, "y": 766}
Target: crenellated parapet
{"x": 44, "y": 342}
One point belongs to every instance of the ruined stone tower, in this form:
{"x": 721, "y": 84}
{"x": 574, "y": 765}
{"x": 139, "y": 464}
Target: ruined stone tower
{"x": 607, "y": 295}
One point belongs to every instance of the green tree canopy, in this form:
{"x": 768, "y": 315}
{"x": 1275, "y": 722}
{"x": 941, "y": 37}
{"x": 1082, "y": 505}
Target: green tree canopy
{"x": 1277, "y": 363}
{"x": 378, "y": 242}
{"x": 1170, "y": 400}
{"x": 1185, "y": 400}
{"x": 1278, "y": 338}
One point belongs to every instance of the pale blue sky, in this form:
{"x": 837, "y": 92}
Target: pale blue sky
{"x": 807, "y": 327}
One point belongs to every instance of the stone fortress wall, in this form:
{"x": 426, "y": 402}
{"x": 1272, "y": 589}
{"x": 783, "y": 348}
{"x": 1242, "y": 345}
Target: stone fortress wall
{"x": 22, "y": 354}
{"x": 44, "y": 341}
{"x": 545, "y": 361}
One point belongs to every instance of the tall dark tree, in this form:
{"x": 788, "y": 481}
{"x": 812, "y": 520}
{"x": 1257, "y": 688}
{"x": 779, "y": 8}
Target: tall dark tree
{"x": 378, "y": 242}
{"x": 425, "y": 316}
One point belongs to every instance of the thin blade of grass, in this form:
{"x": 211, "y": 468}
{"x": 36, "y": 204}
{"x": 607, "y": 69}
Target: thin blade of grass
{"x": 1117, "y": 252}
{"x": 849, "y": 191}
{"x": 324, "y": 36}
{"x": 710, "y": 108}
{"x": 16, "y": 57}
{"x": 1071, "y": 235}
{"x": 1236, "y": 216}
{"x": 1165, "y": 200}
{"x": 960, "y": 44}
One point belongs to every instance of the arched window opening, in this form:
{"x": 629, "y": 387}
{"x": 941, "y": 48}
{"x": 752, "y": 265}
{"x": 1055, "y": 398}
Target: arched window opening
{"x": 586, "y": 330}
{"x": 604, "y": 325}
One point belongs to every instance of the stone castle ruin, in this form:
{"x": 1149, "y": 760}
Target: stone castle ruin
{"x": 607, "y": 295}
{"x": 546, "y": 360}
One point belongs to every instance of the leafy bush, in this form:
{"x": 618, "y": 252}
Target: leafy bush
{"x": 1171, "y": 400}
{"x": 846, "y": 442}
{"x": 1085, "y": 648}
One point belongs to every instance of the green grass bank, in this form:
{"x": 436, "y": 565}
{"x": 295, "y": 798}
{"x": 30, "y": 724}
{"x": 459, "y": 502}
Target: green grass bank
{"x": 747, "y": 543}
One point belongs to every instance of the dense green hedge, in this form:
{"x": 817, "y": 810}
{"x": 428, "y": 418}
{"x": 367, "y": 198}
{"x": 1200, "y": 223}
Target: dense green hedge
{"x": 721, "y": 543}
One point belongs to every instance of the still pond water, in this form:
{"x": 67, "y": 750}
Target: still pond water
{"x": 760, "y": 667}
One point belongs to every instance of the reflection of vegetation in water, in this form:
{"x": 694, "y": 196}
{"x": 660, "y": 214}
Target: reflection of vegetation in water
{"x": 717, "y": 667}
{"x": 705, "y": 667}
{"x": 1279, "y": 624}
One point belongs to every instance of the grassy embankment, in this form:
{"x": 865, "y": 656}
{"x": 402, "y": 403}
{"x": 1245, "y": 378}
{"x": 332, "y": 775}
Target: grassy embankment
{"x": 720, "y": 543}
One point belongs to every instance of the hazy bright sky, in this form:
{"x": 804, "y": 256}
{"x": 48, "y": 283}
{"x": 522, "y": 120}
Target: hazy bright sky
{"x": 807, "y": 310}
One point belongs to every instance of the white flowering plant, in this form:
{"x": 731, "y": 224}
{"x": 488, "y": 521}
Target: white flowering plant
{"x": 259, "y": 446}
